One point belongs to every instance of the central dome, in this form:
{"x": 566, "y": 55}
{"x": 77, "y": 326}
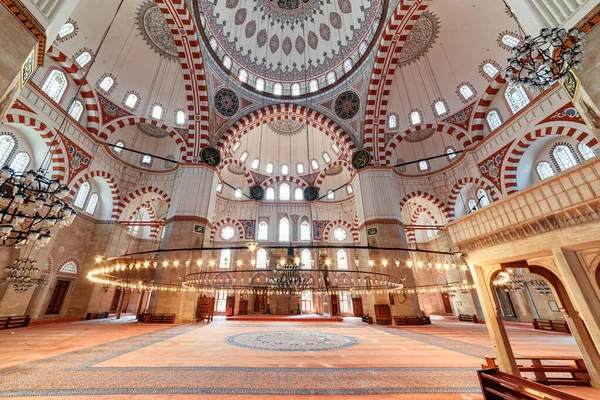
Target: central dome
{"x": 289, "y": 47}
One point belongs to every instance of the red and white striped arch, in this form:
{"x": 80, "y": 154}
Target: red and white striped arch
{"x": 322, "y": 175}
{"x": 482, "y": 107}
{"x": 386, "y": 61}
{"x": 460, "y": 134}
{"x": 295, "y": 112}
{"x": 58, "y": 151}
{"x": 186, "y": 38}
{"x": 454, "y": 193}
{"x": 513, "y": 158}
{"x": 85, "y": 176}
{"x": 335, "y": 224}
{"x": 151, "y": 216}
{"x": 410, "y": 233}
{"x": 280, "y": 179}
{"x": 426, "y": 196}
{"x": 86, "y": 92}
{"x": 162, "y": 195}
{"x": 112, "y": 127}
{"x": 237, "y": 163}
{"x": 227, "y": 221}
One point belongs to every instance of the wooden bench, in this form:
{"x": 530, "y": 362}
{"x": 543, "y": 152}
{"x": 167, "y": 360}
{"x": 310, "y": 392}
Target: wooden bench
{"x": 368, "y": 320}
{"x": 468, "y": 318}
{"x": 89, "y": 316}
{"x": 15, "y": 321}
{"x": 411, "y": 320}
{"x": 499, "y": 385}
{"x": 157, "y": 318}
{"x": 550, "y": 325}
{"x": 575, "y": 367}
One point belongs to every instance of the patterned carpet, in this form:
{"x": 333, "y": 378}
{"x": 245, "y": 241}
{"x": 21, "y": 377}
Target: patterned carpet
{"x": 78, "y": 373}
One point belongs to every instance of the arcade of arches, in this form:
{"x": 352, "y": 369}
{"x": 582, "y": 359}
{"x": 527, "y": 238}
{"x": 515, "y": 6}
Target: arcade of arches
{"x": 297, "y": 198}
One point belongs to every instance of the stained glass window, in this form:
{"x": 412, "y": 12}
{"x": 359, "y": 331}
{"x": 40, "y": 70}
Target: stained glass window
{"x": 55, "y": 85}
{"x": 563, "y": 157}
{"x": 544, "y": 170}
{"x": 82, "y": 195}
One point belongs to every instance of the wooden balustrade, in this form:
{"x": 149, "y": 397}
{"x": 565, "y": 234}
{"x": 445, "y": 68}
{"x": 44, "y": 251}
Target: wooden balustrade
{"x": 15, "y": 321}
{"x": 497, "y": 385}
{"x": 573, "y": 373}
{"x": 551, "y": 325}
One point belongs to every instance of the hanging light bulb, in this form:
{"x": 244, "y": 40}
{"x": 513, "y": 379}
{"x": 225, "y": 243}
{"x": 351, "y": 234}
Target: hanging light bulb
{"x": 420, "y": 264}
{"x": 356, "y": 261}
{"x": 397, "y": 261}
{"x": 253, "y": 262}
{"x": 199, "y": 262}
{"x": 212, "y": 262}
{"x": 165, "y": 263}
{"x": 176, "y": 263}
{"x": 409, "y": 263}
{"x": 371, "y": 262}
{"x": 239, "y": 262}
{"x": 282, "y": 261}
{"x": 328, "y": 261}
{"x": 384, "y": 261}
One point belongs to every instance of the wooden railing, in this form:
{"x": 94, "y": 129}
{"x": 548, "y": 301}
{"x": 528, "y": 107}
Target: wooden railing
{"x": 499, "y": 385}
{"x": 574, "y": 373}
{"x": 551, "y": 325}
{"x": 14, "y": 321}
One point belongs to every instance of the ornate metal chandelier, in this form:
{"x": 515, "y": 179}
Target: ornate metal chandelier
{"x": 540, "y": 61}
{"x": 21, "y": 275}
{"x": 288, "y": 279}
{"x": 31, "y": 207}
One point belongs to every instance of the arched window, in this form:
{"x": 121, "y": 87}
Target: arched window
{"x": 510, "y": 41}
{"x": 472, "y": 205}
{"x": 296, "y": 89}
{"x": 20, "y": 162}
{"x": 342, "y": 259}
{"x": 55, "y": 85}
{"x": 330, "y": 195}
{"x": 157, "y": 111}
{"x": 131, "y": 101}
{"x": 347, "y": 65}
{"x": 300, "y": 168}
{"x": 261, "y": 259}
{"x": 466, "y": 92}
{"x": 585, "y": 151}
{"x": 7, "y": 144}
{"x": 227, "y": 232}
{"x": 244, "y": 156}
{"x": 243, "y": 75}
{"x": 423, "y": 166}
{"x": 516, "y": 97}
{"x": 277, "y": 89}
{"x": 76, "y": 110}
{"x": 146, "y": 159}
{"x": 285, "y": 170}
{"x": 263, "y": 231}
{"x": 493, "y": 120}
{"x": 490, "y": 70}
{"x": 393, "y": 121}
{"x": 284, "y": 230}
{"x": 255, "y": 164}
{"x": 270, "y": 195}
{"x": 440, "y": 108}
{"x": 415, "y": 118}
{"x": 304, "y": 231}
{"x": 544, "y": 170}
{"x": 237, "y": 193}
{"x": 314, "y": 164}
{"x": 284, "y": 192}
{"x": 306, "y": 259}
{"x": 66, "y": 29}
{"x": 335, "y": 148}
{"x": 313, "y": 85}
{"x": 91, "y": 205}
{"x": 227, "y": 62}
{"x": 83, "y": 59}
{"x": 180, "y": 117}
{"x": 482, "y": 198}
{"x": 213, "y": 43}
{"x": 298, "y": 194}
{"x": 269, "y": 168}
{"x": 326, "y": 157}
{"x": 107, "y": 83}
{"x": 349, "y": 189}
{"x": 450, "y": 152}
{"x": 259, "y": 84}
{"x": 564, "y": 157}
{"x": 69, "y": 268}
{"x": 219, "y": 188}
{"x": 82, "y": 195}
{"x": 339, "y": 234}
{"x": 225, "y": 260}
{"x": 331, "y": 78}
{"x": 118, "y": 147}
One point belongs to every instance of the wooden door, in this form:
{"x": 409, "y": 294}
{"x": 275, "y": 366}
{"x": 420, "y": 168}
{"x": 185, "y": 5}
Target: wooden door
{"x": 229, "y": 306}
{"x": 357, "y": 306}
{"x": 506, "y": 305}
{"x": 259, "y": 302}
{"x": 447, "y": 305}
{"x": 60, "y": 290}
{"x": 335, "y": 307}
{"x": 115, "y": 301}
{"x": 126, "y": 298}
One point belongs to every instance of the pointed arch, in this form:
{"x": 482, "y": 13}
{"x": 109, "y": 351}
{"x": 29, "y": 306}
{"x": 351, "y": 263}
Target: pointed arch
{"x": 278, "y": 179}
{"x": 424, "y": 195}
{"x": 482, "y": 106}
{"x": 85, "y": 176}
{"x": 410, "y": 233}
{"x": 322, "y": 175}
{"x": 73, "y": 260}
{"x": 237, "y": 163}
{"x": 340, "y": 222}
{"x": 118, "y": 210}
{"x": 151, "y": 216}
{"x": 217, "y": 225}
{"x": 465, "y": 181}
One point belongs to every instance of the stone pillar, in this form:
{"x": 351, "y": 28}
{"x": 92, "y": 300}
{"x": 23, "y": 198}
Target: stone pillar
{"x": 193, "y": 203}
{"x": 580, "y": 289}
{"x": 120, "y": 303}
{"x": 504, "y": 353}
{"x": 139, "y": 305}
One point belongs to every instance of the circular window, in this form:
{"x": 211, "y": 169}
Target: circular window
{"x": 339, "y": 233}
{"x": 227, "y": 232}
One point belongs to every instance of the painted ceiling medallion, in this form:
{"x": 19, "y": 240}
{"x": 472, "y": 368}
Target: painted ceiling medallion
{"x": 236, "y": 169}
{"x": 420, "y": 39}
{"x": 286, "y": 127}
{"x": 155, "y": 30}
{"x": 152, "y": 130}
{"x": 347, "y": 105}
{"x": 227, "y": 102}
{"x": 420, "y": 135}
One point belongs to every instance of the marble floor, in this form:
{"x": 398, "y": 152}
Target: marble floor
{"x": 109, "y": 359}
